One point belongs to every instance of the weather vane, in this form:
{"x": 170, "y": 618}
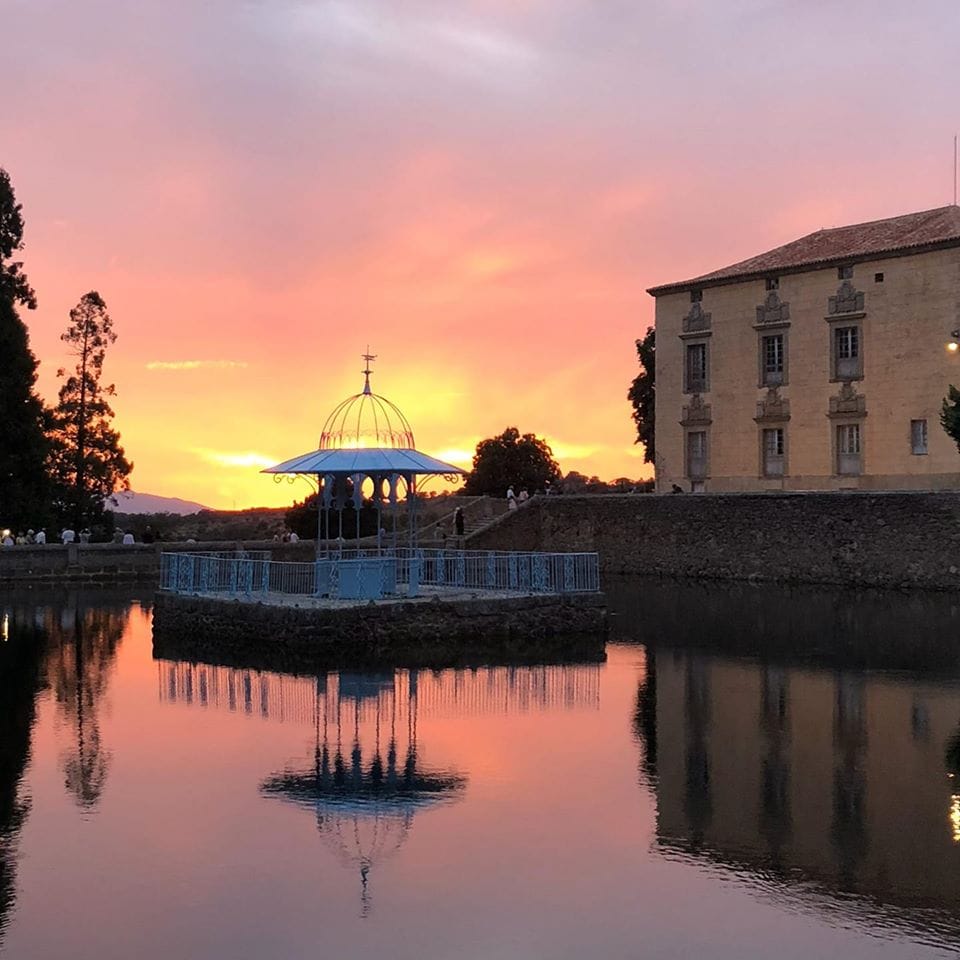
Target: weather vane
{"x": 368, "y": 356}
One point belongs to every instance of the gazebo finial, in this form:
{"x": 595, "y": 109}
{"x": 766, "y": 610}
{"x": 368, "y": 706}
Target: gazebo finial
{"x": 368, "y": 356}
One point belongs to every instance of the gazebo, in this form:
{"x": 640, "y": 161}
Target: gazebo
{"x": 366, "y": 452}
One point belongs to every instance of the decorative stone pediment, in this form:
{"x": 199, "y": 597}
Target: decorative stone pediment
{"x": 848, "y": 403}
{"x": 773, "y": 407}
{"x": 773, "y": 310}
{"x": 847, "y": 300}
{"x": 696, "y": 320}
{"x": 696, "y": 412}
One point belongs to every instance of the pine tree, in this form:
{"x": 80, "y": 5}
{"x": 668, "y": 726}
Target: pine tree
{"x": 23, "y": 447}
{"x": 87, "y": 461}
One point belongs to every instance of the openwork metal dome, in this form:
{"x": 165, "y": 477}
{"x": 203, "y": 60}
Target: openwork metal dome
{"x": 366, "y": 421}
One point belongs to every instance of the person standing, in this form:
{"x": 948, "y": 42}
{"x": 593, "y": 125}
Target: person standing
{"x": 458, "y": 521}
{"x": 41, "y": 538}
{"x": 511, "y": 498}
{"x": 67, "y": 535}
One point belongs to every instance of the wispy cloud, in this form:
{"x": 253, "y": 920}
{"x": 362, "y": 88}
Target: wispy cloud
{"x": 197, "y": 365}
{"x": 228, "y": 458}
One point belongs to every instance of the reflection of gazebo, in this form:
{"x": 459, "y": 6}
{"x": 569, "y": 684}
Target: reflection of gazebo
{"x": 365, "y": 796}
{"x": 366, "y": 451}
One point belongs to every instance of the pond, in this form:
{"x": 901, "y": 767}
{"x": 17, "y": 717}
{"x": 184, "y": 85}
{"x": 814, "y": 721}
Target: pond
{"x": 753, "y": 771}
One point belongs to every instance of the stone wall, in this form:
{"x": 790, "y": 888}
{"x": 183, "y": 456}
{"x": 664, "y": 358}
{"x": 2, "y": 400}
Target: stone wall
{"x": 903, "y": 539}
{"x": 406, "y": 633}
{"x": 113, "y": 563}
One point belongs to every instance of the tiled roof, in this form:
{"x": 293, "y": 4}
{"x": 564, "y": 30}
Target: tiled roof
{"x": 859, "y": 241}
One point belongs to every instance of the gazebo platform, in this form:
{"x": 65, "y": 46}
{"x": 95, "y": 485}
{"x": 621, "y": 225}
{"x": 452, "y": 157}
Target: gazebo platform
{"x": 444, "y": 626}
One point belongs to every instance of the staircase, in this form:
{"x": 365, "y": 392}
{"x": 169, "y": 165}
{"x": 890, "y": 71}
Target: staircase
{"x": 478, "y": 514}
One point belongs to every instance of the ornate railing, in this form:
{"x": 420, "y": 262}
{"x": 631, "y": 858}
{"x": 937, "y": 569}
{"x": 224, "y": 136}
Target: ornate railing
{"x": 369, "y": 575}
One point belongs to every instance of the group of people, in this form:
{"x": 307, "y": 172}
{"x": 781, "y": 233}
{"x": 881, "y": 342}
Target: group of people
{"x": 513, "y": 501}
{"x": 69, "y": 535}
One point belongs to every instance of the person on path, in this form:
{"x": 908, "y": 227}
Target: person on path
{"x": 458, "y": 521}
{"x": 511, "y": 498}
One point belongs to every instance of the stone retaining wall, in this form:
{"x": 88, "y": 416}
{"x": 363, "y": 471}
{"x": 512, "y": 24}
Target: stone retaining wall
{"x": 114, "y": 563}
{"x": 909, "y": 539}
{"x": 413, "y": 633}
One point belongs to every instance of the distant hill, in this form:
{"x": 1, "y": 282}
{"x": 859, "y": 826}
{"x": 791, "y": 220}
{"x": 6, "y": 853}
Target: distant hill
{"x": 131, "y": 502}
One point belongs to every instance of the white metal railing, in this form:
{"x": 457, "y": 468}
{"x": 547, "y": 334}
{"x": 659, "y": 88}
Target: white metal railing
{"x": 369, "y": 574}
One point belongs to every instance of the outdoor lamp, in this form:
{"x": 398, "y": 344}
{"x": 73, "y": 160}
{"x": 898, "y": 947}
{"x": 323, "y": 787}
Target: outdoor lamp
{"x": 954, "y": 345}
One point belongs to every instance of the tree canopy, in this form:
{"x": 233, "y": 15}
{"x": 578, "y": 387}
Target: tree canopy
{"x": 87, "y": 461}
{"x": 642, "y": 395}
{"x": 511, "y": 460}
{"x": 950, "y": 415}
{"x": 23, "y": 479}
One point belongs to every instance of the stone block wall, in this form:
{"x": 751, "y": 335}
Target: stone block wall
{"x": 111, "y": 562}
{"x": 905, "y": 539}
{"x": 415, "y": 633}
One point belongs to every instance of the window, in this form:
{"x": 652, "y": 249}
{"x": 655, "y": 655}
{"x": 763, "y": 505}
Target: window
{"x": 848, "y": 449}
{"x": 846, "y": 353}
{"x": 773, "y": 283}
{"x": 696, "y": 368}
{"x": 697, "y": 454}
{"x": 696, "y": 296}
{"x": 918, "y": 437}
{"x": 773, "y": 452}
{"x": 878, "y": 278}
{"x": 845, "y": 273}
{"x": 772, "y": 359}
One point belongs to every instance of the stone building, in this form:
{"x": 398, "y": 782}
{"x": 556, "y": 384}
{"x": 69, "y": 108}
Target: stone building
{"x": 819, "y": 365}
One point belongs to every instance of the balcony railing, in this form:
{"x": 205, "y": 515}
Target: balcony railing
{"x": 369, "y": 575}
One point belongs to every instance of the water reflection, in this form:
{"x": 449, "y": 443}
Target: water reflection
{"x": 366, "y": 780}
{"x": 839, "y": 779}
{"x": 20, "y": 680}
{"x": 52, "y": 640}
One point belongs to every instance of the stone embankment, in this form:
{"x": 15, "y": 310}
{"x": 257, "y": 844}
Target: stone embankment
{"x": 901, "y": 540}
{"x": 116, "y": 563}
{"x": 436, "y": 633}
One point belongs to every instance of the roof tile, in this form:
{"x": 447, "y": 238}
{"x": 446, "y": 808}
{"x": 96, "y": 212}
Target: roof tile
{"x": 878, "y": 238}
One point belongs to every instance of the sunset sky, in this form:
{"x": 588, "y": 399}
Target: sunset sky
{"x": 480, "y": 190}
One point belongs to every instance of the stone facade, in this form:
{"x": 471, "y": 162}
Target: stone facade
{"x": 903, "y": 308}
{"x": 432, "y": 633}
{"x": 902, "y": 540}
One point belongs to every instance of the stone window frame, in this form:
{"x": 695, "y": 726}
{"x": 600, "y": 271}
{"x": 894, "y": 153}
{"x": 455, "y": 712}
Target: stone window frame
{"x": 845, "y": 272}
{"x": 914, "y": 446}
{"x": 688, "y": 432}
{"x": 763, "y": 332}
{"x": 838, "y": 424}
{"x": 763, "y": 429}
{"x": 703, "y": 387}
{"x": 771, "y": 283}
{"x": 841, "y": 322}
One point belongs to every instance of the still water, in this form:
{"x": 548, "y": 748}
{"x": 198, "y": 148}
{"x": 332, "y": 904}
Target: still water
{"x": 753, "y": 772}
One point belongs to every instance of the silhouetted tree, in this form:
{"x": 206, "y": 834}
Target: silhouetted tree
{"x": 302, "y": 519}
{"x": 642, "y": 395}
{"x": 511, "y": 459}
{"x": 950, "y": 415}
{"x": 23, "y": 445}
{"x": 88, "y": 463}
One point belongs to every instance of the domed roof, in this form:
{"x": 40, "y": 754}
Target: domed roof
{"x": 365, "y": 421}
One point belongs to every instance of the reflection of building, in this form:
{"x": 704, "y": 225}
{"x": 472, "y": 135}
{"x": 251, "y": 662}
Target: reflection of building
{"x": 366, "y": 780}
{"x": 835, "y": 777}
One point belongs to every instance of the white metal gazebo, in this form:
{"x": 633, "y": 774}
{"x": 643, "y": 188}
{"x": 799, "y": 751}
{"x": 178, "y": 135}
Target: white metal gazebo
{"x": 366, "y": 453}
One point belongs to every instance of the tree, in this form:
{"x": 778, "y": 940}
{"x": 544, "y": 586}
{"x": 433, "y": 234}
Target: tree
{"x": 87, "y": 462}
{"x": 303, "y": 520}
{"x": 950, "y": 415}
{"x": 511, "y": 460}
{"x": 642, "y": 395}
{"x": 23, "y": 447}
